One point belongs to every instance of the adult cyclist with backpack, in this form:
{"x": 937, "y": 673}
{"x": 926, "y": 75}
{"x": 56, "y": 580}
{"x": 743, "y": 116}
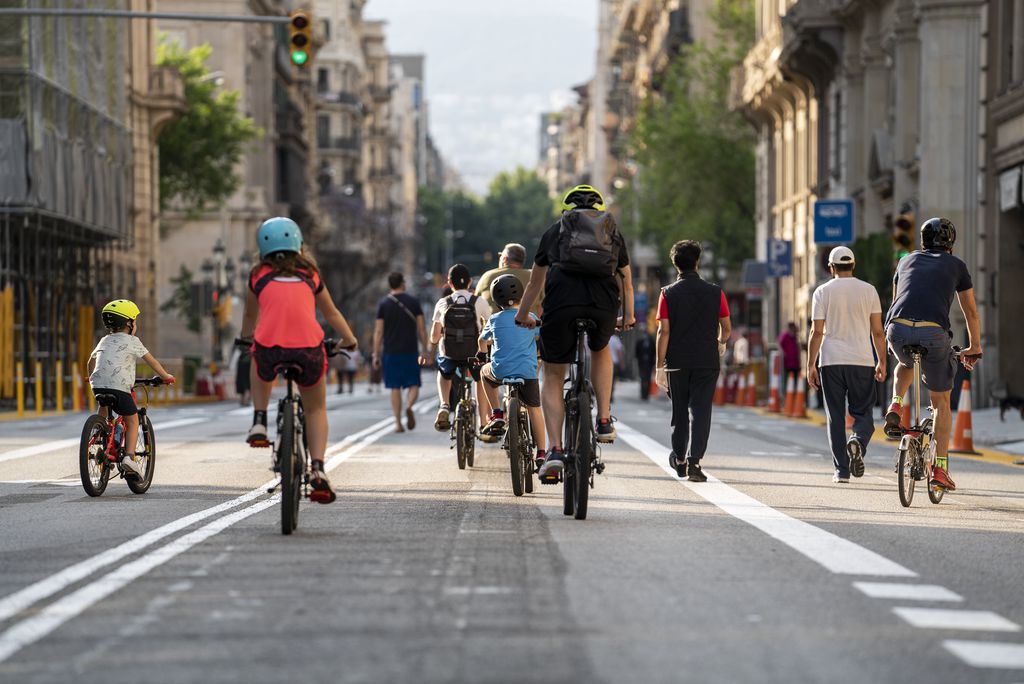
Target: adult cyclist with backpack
{"x": 457, "y": 321}
{"x": 578, "y": 265}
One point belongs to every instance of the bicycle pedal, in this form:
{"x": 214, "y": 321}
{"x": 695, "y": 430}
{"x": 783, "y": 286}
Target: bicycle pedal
{"x": 260, "y": 443}
{"x": 599, "y": 468}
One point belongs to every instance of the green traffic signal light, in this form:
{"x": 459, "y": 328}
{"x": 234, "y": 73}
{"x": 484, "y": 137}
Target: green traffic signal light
{"x": 300, "y": 57}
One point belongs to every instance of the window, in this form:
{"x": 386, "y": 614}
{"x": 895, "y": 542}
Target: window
{"x": 323, "y": 131}
{"x": 326, "y": 25}
{"x": 322, "y": 80}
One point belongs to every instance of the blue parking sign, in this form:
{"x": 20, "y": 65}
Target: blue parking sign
{"x": 780, "y": 258}
{"x": 833, "y": 221}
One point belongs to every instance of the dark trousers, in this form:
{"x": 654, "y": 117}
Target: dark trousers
{"x": 692, "y": 391}
{"x": 853, "y": 385}
{"x": 645, "y": 382}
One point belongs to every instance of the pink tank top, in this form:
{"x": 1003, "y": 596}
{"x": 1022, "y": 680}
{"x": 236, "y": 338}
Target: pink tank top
{"x": 287, "y": 311}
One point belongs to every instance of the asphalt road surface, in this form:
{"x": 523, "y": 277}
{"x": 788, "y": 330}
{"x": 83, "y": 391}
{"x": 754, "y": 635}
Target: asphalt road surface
{"x": 420, "y": 572}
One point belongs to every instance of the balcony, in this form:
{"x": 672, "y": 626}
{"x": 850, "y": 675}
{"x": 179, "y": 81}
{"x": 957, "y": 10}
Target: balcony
{"x": 380, "y": 93}
{"x": 382, "y": 173}
{"x": 341, "y": 97}
{"x": 351, "y": 143}
{"x": 378, "y": 132}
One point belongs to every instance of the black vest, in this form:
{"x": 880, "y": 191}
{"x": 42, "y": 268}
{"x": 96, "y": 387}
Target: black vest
{"x": 693, "y": 307}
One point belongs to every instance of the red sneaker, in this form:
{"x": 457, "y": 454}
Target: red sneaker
{"x": 940, "y": 478}
{"x": 893, "y": 418}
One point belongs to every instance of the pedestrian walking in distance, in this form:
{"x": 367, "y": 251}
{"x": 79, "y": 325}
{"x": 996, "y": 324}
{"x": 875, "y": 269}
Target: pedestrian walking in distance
{"x": 790, "y": 346}
{"x": 693, "y": 327}
{"x": 846, "y": 319}
{"x": 645, "y": 357}
{"x": 398, "y": 326}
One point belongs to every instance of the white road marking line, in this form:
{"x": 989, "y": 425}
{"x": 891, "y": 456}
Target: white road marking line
{"x": 836, "y": 554}
{"x": 907, "y": 592}
{"x": 944, "y": 618}
{"x": 20, "y": 600}
{"x": 477, "y": 591}
{"x": 44, "y": 622}
{"x": 992, "y": 654}
{"x": 177, "y": 423}
{"x": 775, "y": 453}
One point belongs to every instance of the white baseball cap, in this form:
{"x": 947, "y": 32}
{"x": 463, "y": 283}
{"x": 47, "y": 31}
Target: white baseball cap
{"x": 841, "y": 255}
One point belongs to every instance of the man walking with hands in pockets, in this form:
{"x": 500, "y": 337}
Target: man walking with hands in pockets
{"x": 847, "y": 322}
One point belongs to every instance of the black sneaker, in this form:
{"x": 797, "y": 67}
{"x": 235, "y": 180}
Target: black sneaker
{"x": 855, "y": 452}
{"x": 696, "y": 474}
{"x": 552, "y": 467}
{"x": 679, "y": 464}
{"x": 605, "y": 430}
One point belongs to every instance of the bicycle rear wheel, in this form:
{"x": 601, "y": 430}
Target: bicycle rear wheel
{"x": 140, "y": 485}
{"x": 529, "y": 465}
{"x": 93, "y": 466}
{"x": 935, "y": 494}
{"x": 905, "y": 466}
{"x": 515, "y": 447}
{"x": 472, "y": 424}
{"x": 583, "y": 456}
{"x": 286, "y": 463}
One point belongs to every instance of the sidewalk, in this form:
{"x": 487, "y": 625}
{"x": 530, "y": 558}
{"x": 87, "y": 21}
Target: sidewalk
{"x": 1006, "y": 436}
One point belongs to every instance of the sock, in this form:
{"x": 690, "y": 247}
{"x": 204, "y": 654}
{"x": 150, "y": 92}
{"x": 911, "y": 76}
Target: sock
{"x": 942, "y": 462}
{"x": 897, "y": 400}
{"x": 259, "y": 417}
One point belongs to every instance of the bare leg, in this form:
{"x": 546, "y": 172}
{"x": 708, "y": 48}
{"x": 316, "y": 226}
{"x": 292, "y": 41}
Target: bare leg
{"x": 943, "y": 422}
{"x": 131, "y": 433}
{"x": 314, "y": 405}
{"x": 490, "y": 397}
{"x": 904, "y": 376}
{"x": 536, "y": 421}
{"x": 601, "y": 370}
{"x": 553, "y": 402}
{"x": 260, "y": 391}
{"x": 483, "y": 403}
{"x": 414, "y": 394}
{"x": 396, "y": 408}
{"x": 444, "y": 388}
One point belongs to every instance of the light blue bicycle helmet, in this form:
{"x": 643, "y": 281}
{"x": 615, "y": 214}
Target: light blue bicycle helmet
{"x": 279, "y": 234}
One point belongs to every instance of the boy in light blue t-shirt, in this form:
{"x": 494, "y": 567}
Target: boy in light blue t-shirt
{"x": 513, "y": 355}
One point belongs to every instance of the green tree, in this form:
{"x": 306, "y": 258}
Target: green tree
{"x": 200, "y": 149}
{"x": 180, "y": 302}
{"x": 518, "y": 209}
{"x": 695, "y": 155}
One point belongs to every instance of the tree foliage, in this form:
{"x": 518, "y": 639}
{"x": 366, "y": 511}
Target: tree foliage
{"x": 180, "y": 302}
{"x": 200, "y": 149}
{"x": 695, "y": 155}
{"x": 516, "y": 209}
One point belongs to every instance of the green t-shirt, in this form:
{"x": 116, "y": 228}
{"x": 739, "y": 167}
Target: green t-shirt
{"x": 483, "y": 288}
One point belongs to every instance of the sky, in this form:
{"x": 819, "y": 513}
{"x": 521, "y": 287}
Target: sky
{"x": 492, "y": 66}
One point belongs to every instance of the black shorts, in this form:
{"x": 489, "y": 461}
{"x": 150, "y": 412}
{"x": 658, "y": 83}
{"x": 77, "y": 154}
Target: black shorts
{"x": 124, "y": 404}
{"x": 558, "y": 336}
{"x": 312, "y": 360}
{"x": 529, "y": 392}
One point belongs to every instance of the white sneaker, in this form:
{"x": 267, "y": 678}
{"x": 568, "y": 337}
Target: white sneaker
{"x": 839, "y": 479}
{"x": 133, "y": 466}
{"x": 257, "y": 435}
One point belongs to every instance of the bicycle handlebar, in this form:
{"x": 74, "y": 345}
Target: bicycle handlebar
{"x": 329, "y": 344}
{"x": 154, "y": 381}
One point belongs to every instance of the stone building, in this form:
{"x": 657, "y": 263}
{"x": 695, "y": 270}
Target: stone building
{"x": 878, "y": 102}
{"x": 81, "y": 105}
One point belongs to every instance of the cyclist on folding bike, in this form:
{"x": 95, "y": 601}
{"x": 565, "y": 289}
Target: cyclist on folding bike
{"x": 923, "y": 289}
{"x": 578, "y": 263}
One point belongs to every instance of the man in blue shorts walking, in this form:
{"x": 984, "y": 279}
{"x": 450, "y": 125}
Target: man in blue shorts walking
{"x": 399, "y": 324}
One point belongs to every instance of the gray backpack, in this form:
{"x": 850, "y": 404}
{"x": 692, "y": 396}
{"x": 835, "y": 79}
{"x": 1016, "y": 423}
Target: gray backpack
{"x": 588, "y": 242}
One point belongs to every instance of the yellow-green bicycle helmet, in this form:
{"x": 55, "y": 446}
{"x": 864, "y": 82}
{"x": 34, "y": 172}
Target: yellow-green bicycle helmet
{"x": 118, "y": 312}
{"x": 583, "y": 197}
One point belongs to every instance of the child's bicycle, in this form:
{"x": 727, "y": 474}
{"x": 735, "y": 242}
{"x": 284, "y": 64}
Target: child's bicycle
{"x": 518, "y": 438}
{"x": 291, "y": 451}
{"x": 915, "y": 456}
{"x": 464, "y": 427}
{"x": 102, "y": 445}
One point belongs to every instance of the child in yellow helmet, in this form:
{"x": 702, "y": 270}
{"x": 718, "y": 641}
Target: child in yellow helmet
{"x": 112, "y": 371}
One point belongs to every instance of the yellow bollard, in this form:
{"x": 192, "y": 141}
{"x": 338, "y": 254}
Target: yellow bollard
{"x": 19, "y": 387}
{"x": 59, "y": 395}
{"x": 91, "y": 398}
{"x": 39, "y": 387}
{"x": 76, "y": 388}
{"x": 177, "y": 391}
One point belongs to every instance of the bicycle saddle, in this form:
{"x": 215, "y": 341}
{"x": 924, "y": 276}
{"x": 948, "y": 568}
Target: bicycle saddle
{"x": 911, "y": 349}
{"x": 584, "y": 324}
{"x": 288, "y": 370}
{"x": 518, "y": 382}
{"x": 106, "y": 400}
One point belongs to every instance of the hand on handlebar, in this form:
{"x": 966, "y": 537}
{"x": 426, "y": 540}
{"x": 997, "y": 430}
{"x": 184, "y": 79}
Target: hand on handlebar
{"x": 970, "y": 356}
{"x": 525, "y": 320}
{"x": 626, "y": 322}
{"x": 168, "y": 379}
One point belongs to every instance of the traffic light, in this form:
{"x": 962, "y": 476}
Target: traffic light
{"x": 903, "y": 234}
{"x": 300, "y": 37}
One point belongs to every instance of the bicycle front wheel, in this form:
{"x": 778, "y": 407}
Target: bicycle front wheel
{"x": 583, "y": 457}
{"x": 93, "y": 466}
{"x": 471, "y": 428}
{"x": 463, "y": 439}
{"x": 569, "y": 444}
{"x": 515, "y": 447}
{"x": 529, "y": 465}
{"x": 905, "y": 467}
{"x": 140, "y": 485}
{"x": 286, "y": 463}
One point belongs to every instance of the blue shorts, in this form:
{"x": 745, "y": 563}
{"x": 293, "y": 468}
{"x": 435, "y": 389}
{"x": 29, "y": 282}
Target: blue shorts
{"x": 447, "y": 368}
{"x": 938, "y": 367}
{"x": 401, "y": 370}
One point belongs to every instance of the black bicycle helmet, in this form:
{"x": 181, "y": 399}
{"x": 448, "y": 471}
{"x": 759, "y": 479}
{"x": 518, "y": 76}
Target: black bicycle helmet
{"x": 938, "y": 233}
{"x": 506, "y": 290}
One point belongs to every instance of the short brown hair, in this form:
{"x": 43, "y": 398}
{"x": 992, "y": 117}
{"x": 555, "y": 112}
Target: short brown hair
{"x": 288, "y": 263}
{"x": 395, "y": 280}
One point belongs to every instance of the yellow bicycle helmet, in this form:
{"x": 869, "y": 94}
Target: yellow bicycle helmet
{"x": 118, "y": 312}
{"x": 583, "y": 196}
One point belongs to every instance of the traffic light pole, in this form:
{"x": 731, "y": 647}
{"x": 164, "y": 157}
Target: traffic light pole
{"x": 126, "y": 14}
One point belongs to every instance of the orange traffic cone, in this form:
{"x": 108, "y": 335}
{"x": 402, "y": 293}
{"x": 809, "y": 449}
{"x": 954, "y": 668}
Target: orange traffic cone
{"x": 790, "y": 396}
{"x": 800, "y": 402}
{"x": 963, "y": 435}
{"x": 741, "y": 391}
{"x": 751, "y": 389}
{"x": 720, "y": 390}
{"x": 773, "y": 394}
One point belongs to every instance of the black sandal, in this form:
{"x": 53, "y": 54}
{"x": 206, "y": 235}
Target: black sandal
{"x": 679, "y": 465}
{"x": 321, "y": 491}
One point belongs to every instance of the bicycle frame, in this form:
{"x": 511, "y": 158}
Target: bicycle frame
{"x": 917, "y": 448}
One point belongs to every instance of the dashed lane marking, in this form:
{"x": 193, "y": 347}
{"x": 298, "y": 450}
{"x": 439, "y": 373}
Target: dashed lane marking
{"x": 944, "y": 618}
{"x": 836, "y": 554}
{"x": 907, "y": 592}
{"x": 990, "y": 654}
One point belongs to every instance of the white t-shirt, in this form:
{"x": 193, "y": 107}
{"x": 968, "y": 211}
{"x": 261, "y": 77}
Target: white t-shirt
{"x": 116, "y": 356}
{"x": 846, "y": 305}
{"x": 483, "y": 311}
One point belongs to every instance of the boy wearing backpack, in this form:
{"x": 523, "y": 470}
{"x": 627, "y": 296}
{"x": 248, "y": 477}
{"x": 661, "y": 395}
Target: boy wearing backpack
{"x": 457, "y": 322}
{"x": 578, "y": 265}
